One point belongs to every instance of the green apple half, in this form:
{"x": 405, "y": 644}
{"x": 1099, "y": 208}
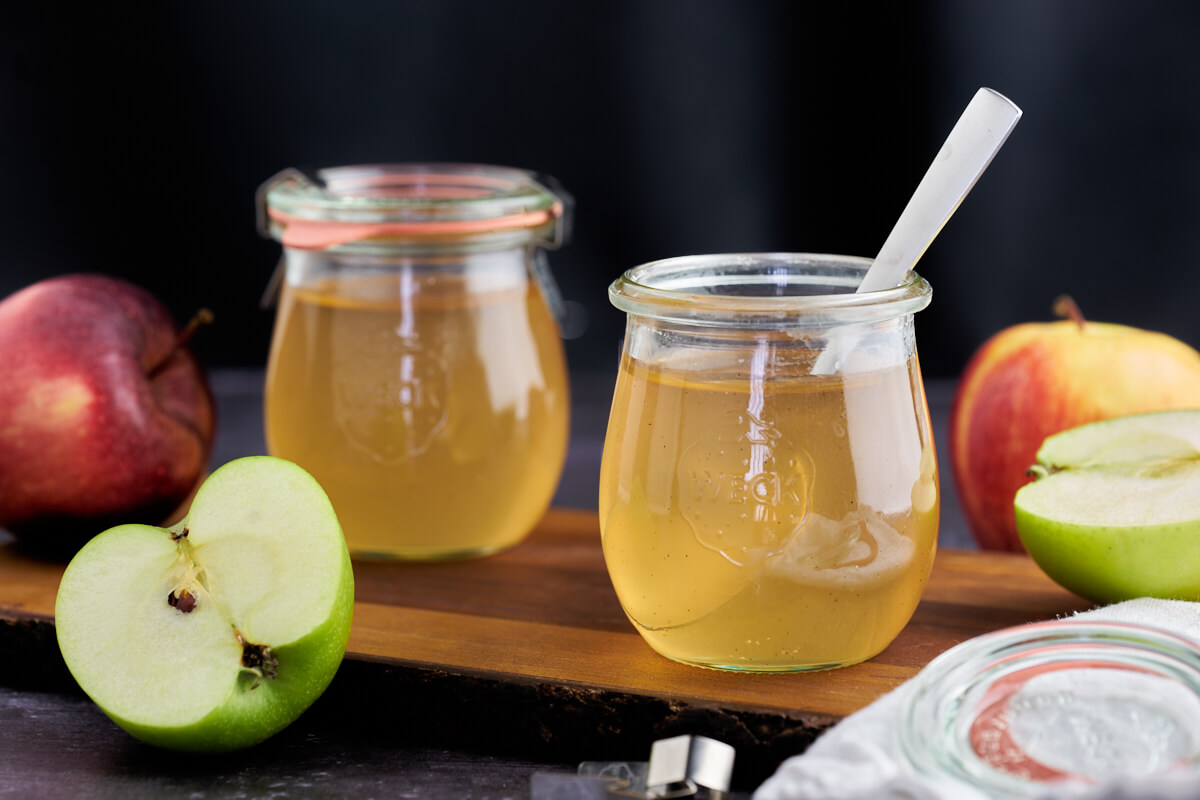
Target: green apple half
{"x": 220, "y": 631}
{"x": 1114, "y": 512}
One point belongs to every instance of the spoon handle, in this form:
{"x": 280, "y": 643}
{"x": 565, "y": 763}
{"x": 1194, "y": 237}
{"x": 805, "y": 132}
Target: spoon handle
{"x": 966, "y": 153}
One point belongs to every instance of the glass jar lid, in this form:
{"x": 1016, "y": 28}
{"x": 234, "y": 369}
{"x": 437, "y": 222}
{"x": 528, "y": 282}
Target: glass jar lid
{"x": 342, "y": 205}
{"x": 1051, "y": 708}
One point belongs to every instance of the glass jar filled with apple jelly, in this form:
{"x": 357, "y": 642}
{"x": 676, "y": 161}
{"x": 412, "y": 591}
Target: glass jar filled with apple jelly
{"x": 769, "y": 487}
{"x": 416, "y": 368}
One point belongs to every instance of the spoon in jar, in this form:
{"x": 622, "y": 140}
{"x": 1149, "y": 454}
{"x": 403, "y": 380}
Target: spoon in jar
{"x": 979, "y": 133}
{"x": 975, "y": 139}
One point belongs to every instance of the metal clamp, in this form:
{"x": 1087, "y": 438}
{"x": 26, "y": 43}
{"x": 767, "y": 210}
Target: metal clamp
{"x": 678, "y": 768}
{"x": 262, "y": 216}
{"x": 681, "y": 764}
{"x": 564, "y": 220}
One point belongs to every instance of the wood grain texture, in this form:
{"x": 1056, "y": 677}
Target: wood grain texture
{"x": 536, "y": 636}
{"x": 545, "y": 612}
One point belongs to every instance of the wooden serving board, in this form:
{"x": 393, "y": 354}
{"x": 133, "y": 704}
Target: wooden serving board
{"x": 535, "y": 636}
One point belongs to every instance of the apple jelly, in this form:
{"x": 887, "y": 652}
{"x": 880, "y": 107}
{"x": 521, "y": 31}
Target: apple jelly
{"x": 416, "y": 368}
{"x": 769, "y": 488}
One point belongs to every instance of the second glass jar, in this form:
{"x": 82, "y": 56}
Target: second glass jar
{"x": 769, "y": 488}
{"x": 416, "y": 368}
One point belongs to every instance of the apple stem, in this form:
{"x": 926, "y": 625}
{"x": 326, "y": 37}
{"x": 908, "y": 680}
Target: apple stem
{"x": 1066, "y": 307}
{"x": 202, "y": 317}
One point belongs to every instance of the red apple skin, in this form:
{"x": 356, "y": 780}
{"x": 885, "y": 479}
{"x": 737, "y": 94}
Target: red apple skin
{"x": 1034, "y": 380}
{"x": 92, "y": 431}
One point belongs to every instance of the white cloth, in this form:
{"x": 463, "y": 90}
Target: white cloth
{"x": 859, "y": 758}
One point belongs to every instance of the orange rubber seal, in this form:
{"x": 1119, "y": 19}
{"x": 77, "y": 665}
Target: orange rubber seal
{"x": 316, "y": 234}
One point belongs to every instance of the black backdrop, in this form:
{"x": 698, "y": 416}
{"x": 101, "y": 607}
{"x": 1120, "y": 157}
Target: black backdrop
{"x": 132, "y": 140}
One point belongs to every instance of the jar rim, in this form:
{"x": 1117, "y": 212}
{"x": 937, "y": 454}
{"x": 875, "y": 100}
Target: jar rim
{"x": 340, "y": 205}
{"x": 768, "y": 289}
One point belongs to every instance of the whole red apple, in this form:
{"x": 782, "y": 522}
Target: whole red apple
{"x": 105, "y": 417}
{"x": 1034, "y": 380}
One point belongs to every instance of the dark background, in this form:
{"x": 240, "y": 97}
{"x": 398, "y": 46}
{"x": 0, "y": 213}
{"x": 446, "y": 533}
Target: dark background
{"x": 132, "y": 140}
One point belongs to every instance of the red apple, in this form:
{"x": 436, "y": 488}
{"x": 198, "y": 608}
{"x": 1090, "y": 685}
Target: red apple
{"x": 1034, "y": 380}
{"x": 105, "y": 417}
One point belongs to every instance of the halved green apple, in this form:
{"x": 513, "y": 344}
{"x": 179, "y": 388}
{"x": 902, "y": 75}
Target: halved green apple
{"x": 220, "y": 631}
{"x": 1114, "y": 512}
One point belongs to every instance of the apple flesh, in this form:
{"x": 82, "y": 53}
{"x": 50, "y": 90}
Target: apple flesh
{"x": 103, "y": 417}
{"x": 1114, "y": 511}
{"x": 1034, "y": 380}
{"x": 220, "y": 631}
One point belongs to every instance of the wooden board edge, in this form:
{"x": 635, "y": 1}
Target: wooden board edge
{"x": 549, "y": 720}
{"x": 429, "y": 704}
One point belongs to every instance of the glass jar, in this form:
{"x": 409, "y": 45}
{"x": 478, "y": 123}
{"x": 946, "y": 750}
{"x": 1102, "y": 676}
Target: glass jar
{"x": 769, "y": 487}
{"x": 1057, "y": 709}
{"x": 416, "y": 368}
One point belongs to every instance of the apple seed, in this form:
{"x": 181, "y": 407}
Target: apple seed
{"x": 257, "y": 658}
{"x": 184, "y": 600}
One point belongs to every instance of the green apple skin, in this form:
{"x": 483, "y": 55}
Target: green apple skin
{"x": 125, "y": 574}
{"x": 1109, "y": 564}
{"x": 1114, "y": 510}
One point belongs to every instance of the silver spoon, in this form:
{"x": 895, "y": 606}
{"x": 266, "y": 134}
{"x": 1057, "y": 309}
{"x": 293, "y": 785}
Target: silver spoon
{"x": 973, "y": 142}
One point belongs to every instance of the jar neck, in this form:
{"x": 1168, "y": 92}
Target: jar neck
{"x": 498, "y": 267}
{"x": 796, "y": 352}
{"x": 476, "y": 271}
